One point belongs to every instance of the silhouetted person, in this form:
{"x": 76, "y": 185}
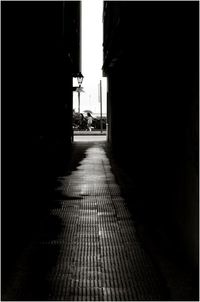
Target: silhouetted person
{"x": 82, "y": 122}
{"x": 89, "y": 121}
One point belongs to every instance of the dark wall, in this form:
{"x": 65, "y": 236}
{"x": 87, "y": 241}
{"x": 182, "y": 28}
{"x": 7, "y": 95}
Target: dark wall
{"x": 40, "y": 51}
{"x": 151, "y": 60}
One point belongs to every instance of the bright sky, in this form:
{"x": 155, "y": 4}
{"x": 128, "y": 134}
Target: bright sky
{"x": 92, "y": 57}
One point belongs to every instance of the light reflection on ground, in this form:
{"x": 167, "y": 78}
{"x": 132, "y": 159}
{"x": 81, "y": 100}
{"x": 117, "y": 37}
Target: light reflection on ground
{"x": 90, "y": 138}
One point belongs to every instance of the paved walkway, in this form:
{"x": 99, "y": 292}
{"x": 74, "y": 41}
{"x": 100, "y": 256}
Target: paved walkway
{"x": 87, "y": 248}
{"x": 93, "y": 132}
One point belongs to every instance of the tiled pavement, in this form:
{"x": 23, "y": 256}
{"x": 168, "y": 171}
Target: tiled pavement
{"x": 87, "y": 249}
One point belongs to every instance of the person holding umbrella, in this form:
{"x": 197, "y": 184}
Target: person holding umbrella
{"x": 89, "y": 121}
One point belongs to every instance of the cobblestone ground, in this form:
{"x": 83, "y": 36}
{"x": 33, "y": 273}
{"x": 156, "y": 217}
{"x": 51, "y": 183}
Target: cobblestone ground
{"x": 87, "y": 248}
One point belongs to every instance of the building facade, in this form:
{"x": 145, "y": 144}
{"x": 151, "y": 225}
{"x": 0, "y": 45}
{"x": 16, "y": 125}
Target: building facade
{"x": 151, "y": 62}
{"x": 40, "y": 53}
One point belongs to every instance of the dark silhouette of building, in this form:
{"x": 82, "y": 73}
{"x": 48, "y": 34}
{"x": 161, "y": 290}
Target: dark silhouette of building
{"x": 40, "y": 52}
{"x": 151, "y": 62}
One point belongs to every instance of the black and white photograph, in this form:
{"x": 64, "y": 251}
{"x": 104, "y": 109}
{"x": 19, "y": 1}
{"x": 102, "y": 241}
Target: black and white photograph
{"x": 99, "y": 150}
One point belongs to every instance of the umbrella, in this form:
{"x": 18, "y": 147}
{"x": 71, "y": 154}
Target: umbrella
{"x": 88, "y": 111}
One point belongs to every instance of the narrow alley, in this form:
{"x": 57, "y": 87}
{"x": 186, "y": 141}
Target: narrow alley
{"x": 100, "y": 156}
{"x": 87, "y": 248}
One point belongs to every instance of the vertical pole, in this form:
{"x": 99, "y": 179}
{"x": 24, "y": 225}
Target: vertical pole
{"x": 79, "y": 100}
{"x": 99, "y": 98}
{"x": 101, "y": 107}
